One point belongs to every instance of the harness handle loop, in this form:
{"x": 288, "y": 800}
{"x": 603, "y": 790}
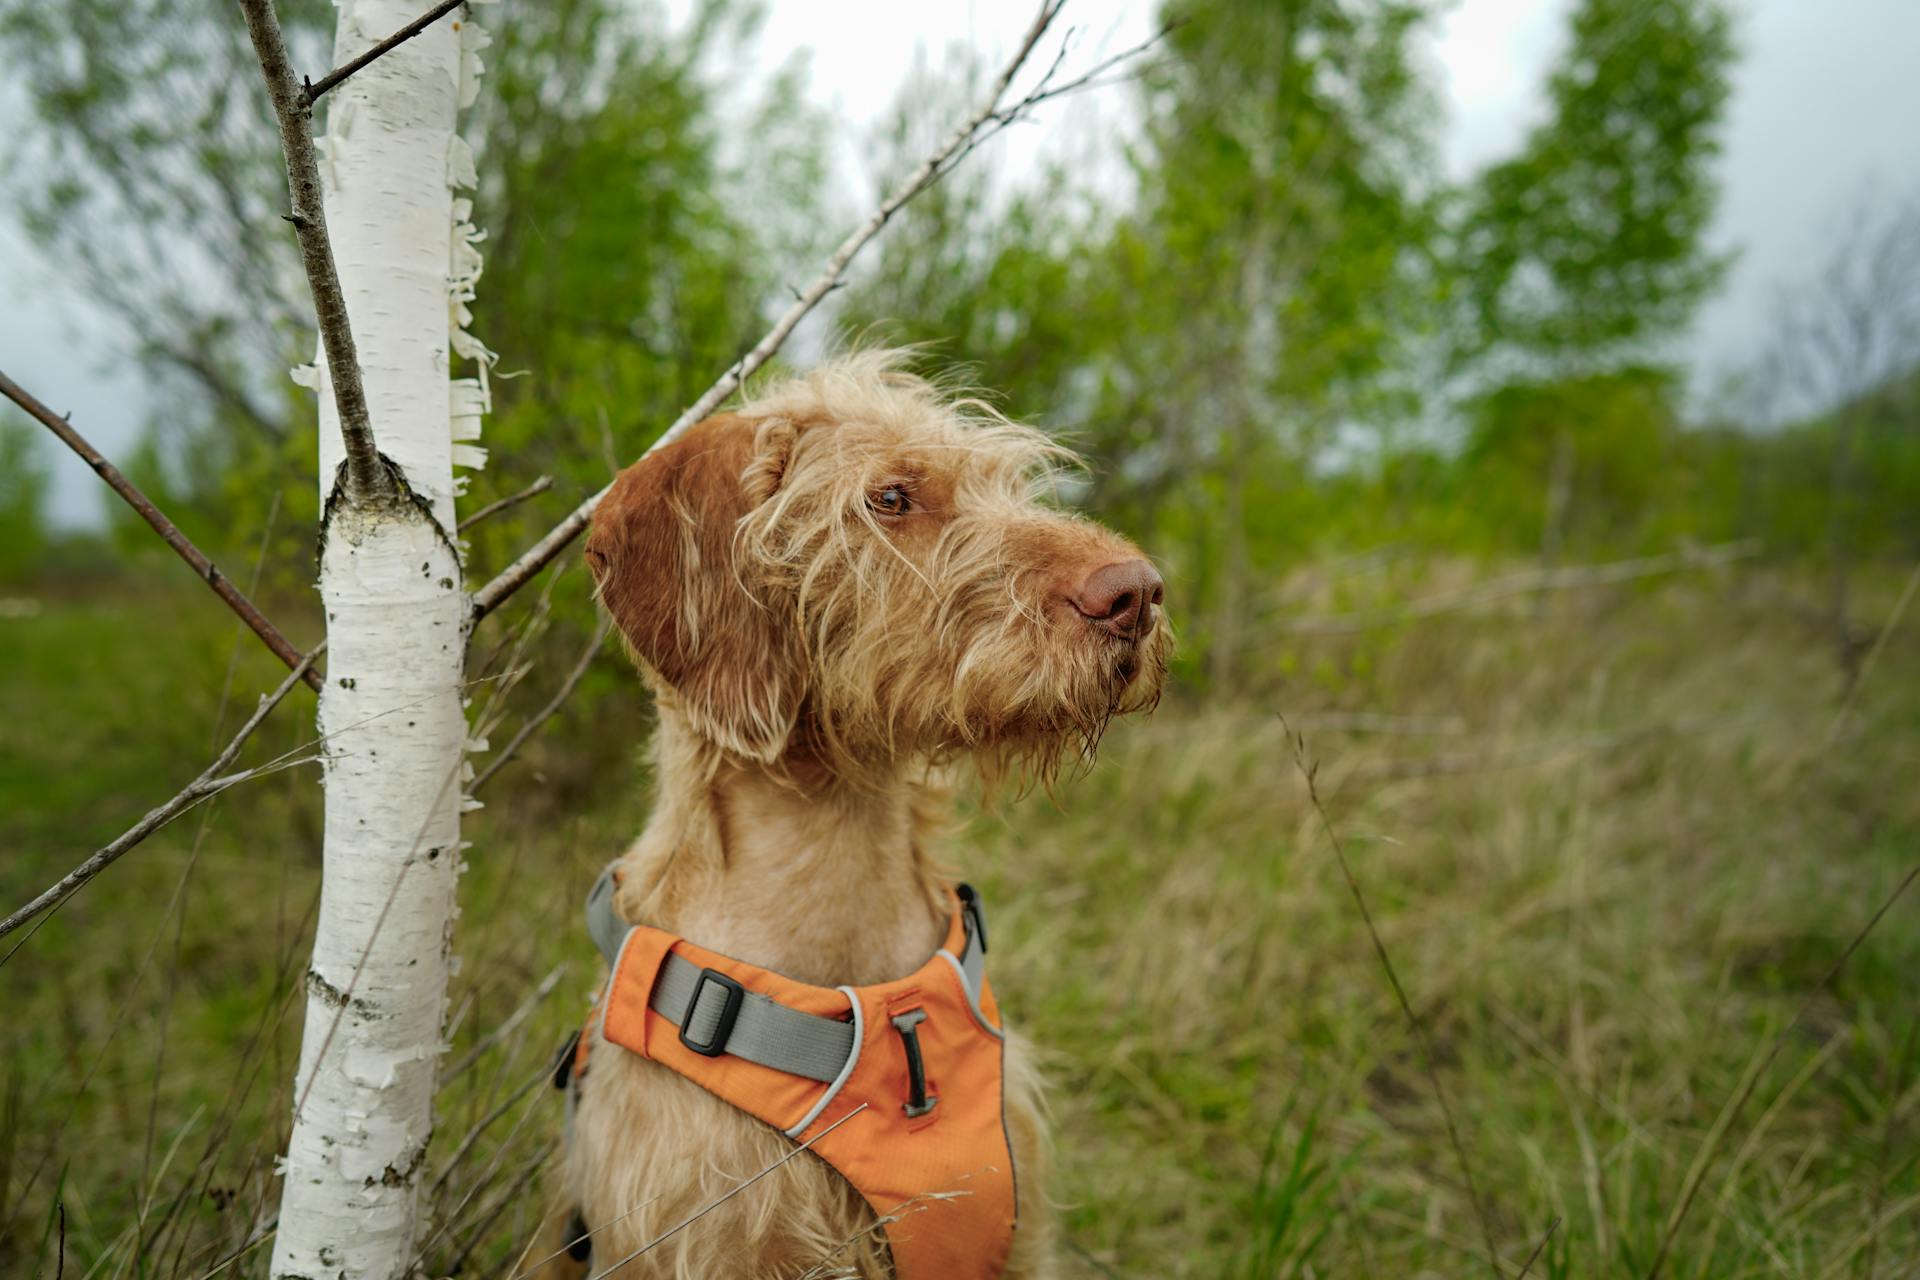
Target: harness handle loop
{"x": 919, "y": 1102}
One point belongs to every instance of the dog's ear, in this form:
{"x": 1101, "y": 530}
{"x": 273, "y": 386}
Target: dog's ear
{"x": 662, "y": 552}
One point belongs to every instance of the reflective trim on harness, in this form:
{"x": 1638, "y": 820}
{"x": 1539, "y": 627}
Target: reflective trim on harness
{"x": 896, "y": 1085}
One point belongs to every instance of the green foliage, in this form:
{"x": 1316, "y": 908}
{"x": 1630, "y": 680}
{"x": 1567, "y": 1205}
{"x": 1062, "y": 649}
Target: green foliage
{"x": 1270, "y": 281}
{"x": 1291, "y": 335}
{"x": 1619, "y": 433}
{"x": 630, "y": 246}
{"x": 626, "y": 258}
{"x": 1263, "y": 315}
{"x": 1587, "y": 244}
{"x": 1291, "y": 1208}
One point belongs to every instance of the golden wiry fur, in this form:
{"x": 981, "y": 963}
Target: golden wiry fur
{"x": 813, "y": 656}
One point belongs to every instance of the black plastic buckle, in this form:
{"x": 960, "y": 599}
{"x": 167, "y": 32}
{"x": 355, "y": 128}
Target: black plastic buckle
{"x": 716, "y": 1044}
{"x": 970, "y": 904}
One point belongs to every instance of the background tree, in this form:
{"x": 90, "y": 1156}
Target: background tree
{"x": 1848, "y": 338}
{"x": 1587, "y": 247}
{"x": 633, "y": 245}
{"x": 1262, "y": 286}
{"x": 1583, "y": 253}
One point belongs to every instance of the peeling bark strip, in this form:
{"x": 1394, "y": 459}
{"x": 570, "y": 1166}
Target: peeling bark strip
{"x": 401, "y": 252}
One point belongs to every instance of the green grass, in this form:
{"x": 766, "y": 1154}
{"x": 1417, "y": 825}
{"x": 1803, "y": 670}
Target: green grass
{"x": 1605, "y": 843}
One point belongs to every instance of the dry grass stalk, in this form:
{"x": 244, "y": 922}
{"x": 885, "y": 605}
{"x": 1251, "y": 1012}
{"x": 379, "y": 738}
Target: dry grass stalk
{"x": 1309, "y": 771}
{"x": 1705, "y": 1156}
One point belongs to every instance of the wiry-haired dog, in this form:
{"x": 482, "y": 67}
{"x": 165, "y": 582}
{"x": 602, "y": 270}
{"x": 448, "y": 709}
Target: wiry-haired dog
{"x": 850, "y": 579}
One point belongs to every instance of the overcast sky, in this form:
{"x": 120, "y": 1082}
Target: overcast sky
{"x": 1826, "y": 97}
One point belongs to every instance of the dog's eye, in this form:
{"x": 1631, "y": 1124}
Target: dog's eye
{"x": 891, "y": 501}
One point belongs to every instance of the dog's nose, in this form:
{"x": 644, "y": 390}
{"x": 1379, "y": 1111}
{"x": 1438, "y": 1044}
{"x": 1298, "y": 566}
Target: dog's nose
{"x": 1120, "y": 597}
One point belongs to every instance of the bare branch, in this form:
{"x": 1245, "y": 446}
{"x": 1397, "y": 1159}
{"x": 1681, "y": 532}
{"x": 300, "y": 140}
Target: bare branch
{"x": 1539, "y": 1248}
{"x": 526, "y": 1086}
{"x": 1047, "y": 91}
{"x": 314, "y": 88}
{"x": 545, "y": 713}
{"x": 211, "y": 782}
{"x": 366, "y": 476}
{"x": 498, "y": 505}
{"x": 698, "y": 1214}
{"x": 207, "y": 571}
{"x": 511, "y": 1196}
{"x": 1873, "y": 657}
{"x": 989, "y": 113}
{"x": 508, "y": 1027}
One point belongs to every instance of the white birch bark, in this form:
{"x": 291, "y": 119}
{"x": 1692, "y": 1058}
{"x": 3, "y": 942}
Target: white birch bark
{"x": 392, "y": 711}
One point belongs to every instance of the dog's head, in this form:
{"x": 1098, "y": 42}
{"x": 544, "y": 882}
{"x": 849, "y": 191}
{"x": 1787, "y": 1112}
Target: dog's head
{"x": 855, "y": 570}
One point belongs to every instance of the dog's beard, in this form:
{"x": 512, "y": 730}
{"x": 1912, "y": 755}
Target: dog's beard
{"x": 1025, "y": 697}
{"x": 1041, "y": 741}
{"x": 977, "y": 659}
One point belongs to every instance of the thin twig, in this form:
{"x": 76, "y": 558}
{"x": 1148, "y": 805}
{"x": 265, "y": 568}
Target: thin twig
{"x": 499, "y": 1206}
{"x": 1309, "y": 770}
{"x": 498, "y": 505}
{"x": 1697, "y": 1174}
{"x": 540, "y": 717}
{"x": 451, "y": 1217}
{"x": 1085, "y": 1256}
{"x": 508, "y": 1027}
{"x": 169, "y": 532}
{"x": 1539, "y": 1248}
{"x": 1046, "y": 91}
{"x": 1873, "y": 656}
{"x": 366, "y": 475}
{"x": 150, "y": 1246}
{"x": 584, "y": 1236}
{"x": 210, "y": 782}
{"x": 698, "y": 1214}
{"x": 542, "y": 1074}
{"x": 314, "y": 88}
{"x": 990, "y": 114}
{"x": 260, "y": 1236}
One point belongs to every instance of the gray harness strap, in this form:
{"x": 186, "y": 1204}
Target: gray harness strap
{"x": 716, "y": 1015}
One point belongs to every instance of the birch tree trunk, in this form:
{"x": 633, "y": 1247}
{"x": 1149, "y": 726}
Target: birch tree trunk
{"x": 392, "y": 712}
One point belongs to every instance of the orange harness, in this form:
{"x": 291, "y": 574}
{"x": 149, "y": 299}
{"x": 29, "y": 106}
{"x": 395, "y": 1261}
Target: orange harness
{"x": 896, "y": 1085}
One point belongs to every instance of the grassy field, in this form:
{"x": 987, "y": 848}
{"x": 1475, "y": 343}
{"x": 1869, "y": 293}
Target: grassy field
{"x": 1612, "y": 840}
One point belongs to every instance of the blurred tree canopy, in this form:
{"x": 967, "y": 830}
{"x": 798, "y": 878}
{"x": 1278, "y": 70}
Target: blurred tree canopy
{"x": 1257, "y": 303}
{"x": 1587, "y": 243}
{"x": 629, "y": 250}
